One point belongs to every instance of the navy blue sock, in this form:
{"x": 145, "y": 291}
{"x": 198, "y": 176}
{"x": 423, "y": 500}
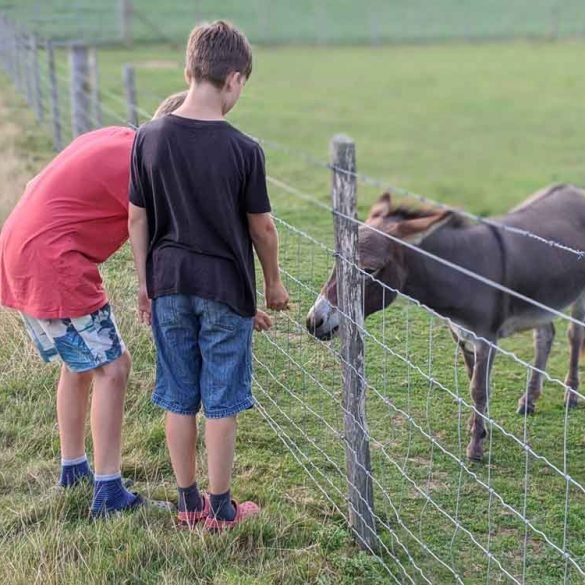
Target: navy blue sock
{"x": 74, "y": 470}
{"x": 222, "y": 507}
{"x": 190, "y": 499}
{"x": 110, "y": 495}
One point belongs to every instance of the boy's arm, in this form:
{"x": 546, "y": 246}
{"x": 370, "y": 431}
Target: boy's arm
{"x": 138, "y": 230}
{"x": 263, "y": 231}
{"x": 265, "y": 239}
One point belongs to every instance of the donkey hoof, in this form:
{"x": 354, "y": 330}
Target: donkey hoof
{"x": 571, "y": 402}
{"x": 525, "y": 408}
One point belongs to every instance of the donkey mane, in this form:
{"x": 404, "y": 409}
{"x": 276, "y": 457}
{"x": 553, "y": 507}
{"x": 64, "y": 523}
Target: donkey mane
{"x": 405, "y": 212}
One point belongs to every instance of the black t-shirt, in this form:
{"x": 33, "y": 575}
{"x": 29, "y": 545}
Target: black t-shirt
{"x": 197, "y": 181}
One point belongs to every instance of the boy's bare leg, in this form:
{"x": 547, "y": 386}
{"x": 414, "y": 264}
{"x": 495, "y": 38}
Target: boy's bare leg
{"x": 220, "y": 439}
{"x": 107, "y": 413}
{"x": 220, "y": 436}
{"x": 72, "y": 401}
{"x": 181, "y": 433}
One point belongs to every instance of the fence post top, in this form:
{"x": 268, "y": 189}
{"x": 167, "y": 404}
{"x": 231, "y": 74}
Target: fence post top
{"x": 342, "y": 152}
{"x": 341, "y": 139}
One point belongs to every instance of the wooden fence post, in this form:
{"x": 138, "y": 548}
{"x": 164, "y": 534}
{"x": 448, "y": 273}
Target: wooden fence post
{"x": 125, "y": 11}
{"x": 20, "y": 62}
{"x": 80, "y": 87}
{"x": 36, "y": 87}
{"x": 555, "y": 21}
{"x": 198, "y": 9}
{"x": 94, "y": 76}
{"x": 27, "y": 67}
{"x": 130, "y": 90}
{"x": 54, "y": 97}
{"x": 350, "y": 303}
{"x": 12, "y": 48}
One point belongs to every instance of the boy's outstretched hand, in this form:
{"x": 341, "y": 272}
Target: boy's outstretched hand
{"x": 144, "y": 307}
{"x": 262, "y": 321}
{"x": 276, "y": 297}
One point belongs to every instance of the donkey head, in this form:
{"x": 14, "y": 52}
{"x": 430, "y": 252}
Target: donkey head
{"x": 381, "y": 258}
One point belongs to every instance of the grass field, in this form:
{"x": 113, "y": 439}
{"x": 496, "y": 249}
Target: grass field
{"x": 477, "y": 126}
{"x": 310, "y": 21}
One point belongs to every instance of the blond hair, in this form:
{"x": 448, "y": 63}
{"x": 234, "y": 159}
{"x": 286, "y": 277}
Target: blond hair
{"x": 170, "y": 104}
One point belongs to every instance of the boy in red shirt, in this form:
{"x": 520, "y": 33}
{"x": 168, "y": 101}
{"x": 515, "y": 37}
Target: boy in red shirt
{"x": 72, "y": 217}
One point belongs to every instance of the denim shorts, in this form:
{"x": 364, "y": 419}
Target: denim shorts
{"x": 83, "y": 343}
{"x": 203, "y": 357}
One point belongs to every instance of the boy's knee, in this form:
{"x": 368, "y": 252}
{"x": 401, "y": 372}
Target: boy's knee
{"x": 78, "y": 378}
{"x": 118, "y": 371}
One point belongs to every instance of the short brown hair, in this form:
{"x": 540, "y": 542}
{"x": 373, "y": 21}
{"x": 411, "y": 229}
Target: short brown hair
{"x": 215, "y": 50}
{"x": 170, "y": 104}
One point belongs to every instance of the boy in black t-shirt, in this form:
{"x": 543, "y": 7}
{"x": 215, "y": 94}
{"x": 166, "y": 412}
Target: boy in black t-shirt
{"x": 198, "y": 204}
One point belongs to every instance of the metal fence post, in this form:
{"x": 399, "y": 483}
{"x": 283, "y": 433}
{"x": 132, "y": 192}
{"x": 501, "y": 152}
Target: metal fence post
{"x": 80, "y": 87}
{"x": 130, "y": 90}
{"x": 96, "y": 104}
{"x": 54, "y": 97}
{"x": 350, "y": 303}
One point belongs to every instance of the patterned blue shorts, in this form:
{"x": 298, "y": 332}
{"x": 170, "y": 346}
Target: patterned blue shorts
{"x": 83, "y": 344}
{"x": 203, "y": 357}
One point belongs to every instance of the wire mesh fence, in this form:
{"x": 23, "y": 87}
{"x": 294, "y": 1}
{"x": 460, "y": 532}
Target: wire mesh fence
{"x": 434, "y": 515}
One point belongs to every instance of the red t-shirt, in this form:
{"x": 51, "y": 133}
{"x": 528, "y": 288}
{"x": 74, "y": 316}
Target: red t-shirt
{"x": 72, "y": 217}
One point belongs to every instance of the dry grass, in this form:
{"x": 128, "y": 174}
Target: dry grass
{"x": 19, "y": 161}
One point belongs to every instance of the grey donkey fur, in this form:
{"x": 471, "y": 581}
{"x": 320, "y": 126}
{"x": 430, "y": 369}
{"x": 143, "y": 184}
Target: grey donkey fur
{"x": 552, "y": 276}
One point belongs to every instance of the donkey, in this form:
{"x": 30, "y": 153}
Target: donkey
{"x": 479, "y": 314}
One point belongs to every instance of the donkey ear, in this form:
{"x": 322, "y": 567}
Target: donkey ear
{"x": 416, "y": 230}
{"x": 382, "y": 207}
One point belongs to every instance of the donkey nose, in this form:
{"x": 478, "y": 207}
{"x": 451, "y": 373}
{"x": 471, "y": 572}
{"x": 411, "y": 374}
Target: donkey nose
{"x": 314, "y": 324}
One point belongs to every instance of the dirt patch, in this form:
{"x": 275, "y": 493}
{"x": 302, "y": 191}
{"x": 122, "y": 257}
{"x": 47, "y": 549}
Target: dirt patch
{"x": 158, "y": 64}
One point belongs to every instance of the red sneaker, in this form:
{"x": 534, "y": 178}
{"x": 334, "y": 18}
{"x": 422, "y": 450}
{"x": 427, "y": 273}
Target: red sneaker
{"x": 190, "y": 519}
{"x": 244, "y": 511}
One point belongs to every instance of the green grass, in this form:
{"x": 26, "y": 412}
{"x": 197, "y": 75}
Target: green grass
{"x": 477, "y": 126}
{"x": 323, "y": 21}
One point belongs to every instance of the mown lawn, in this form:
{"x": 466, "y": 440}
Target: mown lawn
{"x": 476, "y": 126}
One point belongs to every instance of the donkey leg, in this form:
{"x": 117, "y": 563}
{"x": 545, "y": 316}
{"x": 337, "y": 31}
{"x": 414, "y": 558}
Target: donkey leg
{"x": 543, "y": 339}
{"x": 576, "y": 335}
{"x": 467, "y": 350}
{"x": 468, "y": 358}
{"x": 480, "y": 388}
